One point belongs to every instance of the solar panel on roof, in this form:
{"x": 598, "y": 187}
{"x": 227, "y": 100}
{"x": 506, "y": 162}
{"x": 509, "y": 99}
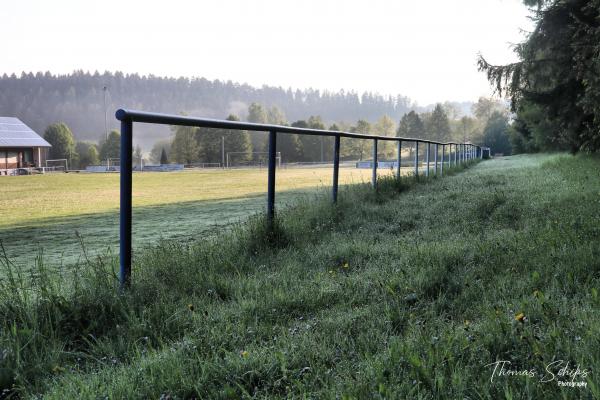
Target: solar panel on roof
{"x": 14, "y": 133}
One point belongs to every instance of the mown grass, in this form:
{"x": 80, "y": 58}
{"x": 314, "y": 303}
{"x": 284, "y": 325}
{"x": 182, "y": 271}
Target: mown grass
{"x": 385, "y": 295}
{"x": 51, "y": 213}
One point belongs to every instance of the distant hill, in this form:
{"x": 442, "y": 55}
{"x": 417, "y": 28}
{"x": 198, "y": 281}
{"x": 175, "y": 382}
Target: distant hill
{"x": 78, "y": 100}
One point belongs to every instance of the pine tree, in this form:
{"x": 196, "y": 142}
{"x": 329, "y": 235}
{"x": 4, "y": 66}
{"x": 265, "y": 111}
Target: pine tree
{"x": 438, "y": 125}
{"x": 411, "y": 126}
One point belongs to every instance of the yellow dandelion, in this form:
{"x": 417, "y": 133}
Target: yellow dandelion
{"x": 520, "y": 317}
{"x": 244, "y": 354}
{"x": 331, "y": 271}
{"x": 346, "y": 266}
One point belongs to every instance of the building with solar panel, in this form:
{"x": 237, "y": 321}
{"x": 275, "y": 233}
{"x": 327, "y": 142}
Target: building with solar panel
{"x": 20, "y": 147}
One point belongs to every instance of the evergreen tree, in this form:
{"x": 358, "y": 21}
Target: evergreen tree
{"x": 438, "y": 125}
{"x": 210, "y": 144}
{"x": 411, "y": 126}
{"x": 556, "y": 83}
{"x": 157, "y": 149}
{"x": 495, "y": 134}
{"x": 163, "y": 157}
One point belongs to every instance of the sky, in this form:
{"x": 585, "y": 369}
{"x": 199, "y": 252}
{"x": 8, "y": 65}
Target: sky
{"x": 425, "y": 50}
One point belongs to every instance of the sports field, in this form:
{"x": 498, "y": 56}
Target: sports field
{"x": 54, "y": 214}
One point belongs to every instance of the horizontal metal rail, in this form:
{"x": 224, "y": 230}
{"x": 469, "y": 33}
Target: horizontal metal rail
{"x": 458, "y": 153}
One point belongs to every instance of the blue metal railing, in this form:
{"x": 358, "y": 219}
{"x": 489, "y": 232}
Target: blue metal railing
{"x": 462, "y": 152}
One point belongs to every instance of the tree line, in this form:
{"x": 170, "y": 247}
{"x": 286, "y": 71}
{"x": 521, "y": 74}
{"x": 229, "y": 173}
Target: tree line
{"x": 488, "y": 126}
{"x": 78, "y": 99}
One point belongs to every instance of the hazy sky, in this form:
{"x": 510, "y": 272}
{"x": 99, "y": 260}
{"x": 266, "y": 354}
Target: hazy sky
{"x": 422, "y": 49}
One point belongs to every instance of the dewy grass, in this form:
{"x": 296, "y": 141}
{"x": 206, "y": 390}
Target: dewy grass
{"x": 384, "y": 295}
{"x": 49, "y": 212}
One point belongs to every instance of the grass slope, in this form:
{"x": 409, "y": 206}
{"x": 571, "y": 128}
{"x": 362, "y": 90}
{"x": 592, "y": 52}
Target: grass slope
{"x": 383, "y": 296}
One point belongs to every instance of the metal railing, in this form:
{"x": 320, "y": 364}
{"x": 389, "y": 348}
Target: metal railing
{"x": 463, "y": 152}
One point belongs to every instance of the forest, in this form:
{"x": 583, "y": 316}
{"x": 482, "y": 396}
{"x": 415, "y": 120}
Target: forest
{"x": 488, "y": 126}
{"x": 77, "y": 99}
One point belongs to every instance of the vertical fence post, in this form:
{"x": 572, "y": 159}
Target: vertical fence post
{"x": 435, "y": 158}
{"x": 417, "y": 159}
{"x": 455, "y": 154}
{"x": 336, "y": 166}
{"x": 443, "y": 156}
{"x": 399, "y": 159}
{"x": 271, "y": 177}
{"x": 427, "y": 158}
{"x": 125, "y": 211}
{"x": 374, "y": 177}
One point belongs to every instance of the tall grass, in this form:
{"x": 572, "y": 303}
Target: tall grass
{"x": 381, "y": 296}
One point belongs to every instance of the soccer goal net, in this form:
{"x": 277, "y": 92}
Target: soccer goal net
{"x": 236, "y": 159}
{"x": 57, "y": 165}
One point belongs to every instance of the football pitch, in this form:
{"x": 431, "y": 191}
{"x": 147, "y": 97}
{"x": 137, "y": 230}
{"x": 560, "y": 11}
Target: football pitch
{"x": 58, "y": 216}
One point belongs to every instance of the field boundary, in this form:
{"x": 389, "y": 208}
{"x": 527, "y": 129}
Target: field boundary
{"x": 463, "y": 153}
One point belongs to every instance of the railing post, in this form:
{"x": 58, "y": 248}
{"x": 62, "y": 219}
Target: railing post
{"x": 427, "y": 158}
{"x": 336, "y": 167}
{"x": 455, "y": 154}
{"x": 417, "y": 160}
{"x": 399, "y": 159}
{"x": 435, "y": 159}
{"x": 271, "y": 177}
{"x": 125, "y": 206}
{"x": 443, "y": 156}
{"x": 374, "y": 177}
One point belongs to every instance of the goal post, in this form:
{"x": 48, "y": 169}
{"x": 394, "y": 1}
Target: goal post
{"x": 58, "y": 164}
{"x": 252, "y": 159}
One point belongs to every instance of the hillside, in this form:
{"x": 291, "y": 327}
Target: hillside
{"x": 388, "y": 295}
{"x": 78, "y": 100}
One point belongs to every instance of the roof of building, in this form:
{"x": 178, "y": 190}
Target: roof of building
{"x": 14, "y": 133}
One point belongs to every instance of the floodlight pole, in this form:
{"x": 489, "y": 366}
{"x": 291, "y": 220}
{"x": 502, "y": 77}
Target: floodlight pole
{"x": 104, "y": 89}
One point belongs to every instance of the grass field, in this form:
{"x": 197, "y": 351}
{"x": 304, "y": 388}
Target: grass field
{"x": 408, "y": 293}
{"x": 45, "y": 214}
